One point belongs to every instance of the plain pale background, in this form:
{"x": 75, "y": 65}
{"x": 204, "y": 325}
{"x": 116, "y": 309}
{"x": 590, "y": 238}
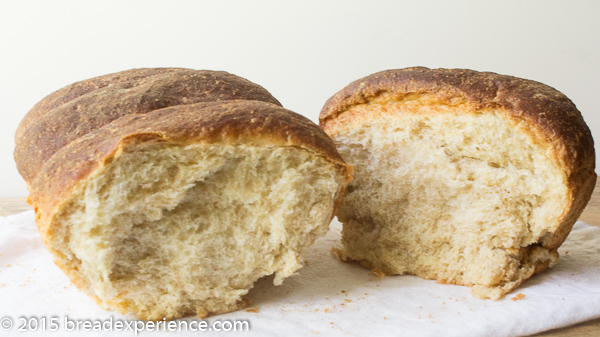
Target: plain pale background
{"x": 301, "y": 51}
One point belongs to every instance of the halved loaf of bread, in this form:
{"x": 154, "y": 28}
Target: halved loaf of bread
{"x": 464, "y": 177}
{"x": 156, "y": 201}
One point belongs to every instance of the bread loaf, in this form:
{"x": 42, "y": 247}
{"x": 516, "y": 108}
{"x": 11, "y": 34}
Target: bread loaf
{"x": 464, "y": 177}
{"x": 169, "y": 192}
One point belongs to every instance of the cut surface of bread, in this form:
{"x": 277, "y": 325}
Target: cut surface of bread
{"x": 169, "y": 230}
{"x": 450, "y": 189}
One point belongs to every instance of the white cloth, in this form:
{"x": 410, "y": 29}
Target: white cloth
{"x": 327, "y": 297}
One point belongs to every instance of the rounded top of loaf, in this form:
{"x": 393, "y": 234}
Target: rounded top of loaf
{"x": 548, "y": 113}
{"x": 80, "y": 108}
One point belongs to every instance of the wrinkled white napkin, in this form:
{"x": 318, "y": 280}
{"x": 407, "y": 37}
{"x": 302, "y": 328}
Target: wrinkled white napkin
{"x": 327, "y": 297}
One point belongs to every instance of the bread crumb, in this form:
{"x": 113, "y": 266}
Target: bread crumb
{"x": 347, "y": 300}
{"x": 378, "y": 273}
{"x": 317, "y": 309}
{"x": 253, "y": 309}
{"x": 337, "y": 253}
{"x": 567, "y": 252}
{"x": 344, "y": 292}
{"x": 326, "y": 310}
{"x": 8, "y": 265}
{"x": 306, "y": 262}
{"x": 518, "y": 297}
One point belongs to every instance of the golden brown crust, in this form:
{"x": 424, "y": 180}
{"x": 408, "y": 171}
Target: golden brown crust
{"x": 75, "y": 90}
{"x": 231, "y": 122}
{"x": 548, "y": 115}
{"x": 82, "y": 107}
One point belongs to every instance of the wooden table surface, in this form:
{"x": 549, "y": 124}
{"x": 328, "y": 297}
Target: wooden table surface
{"x": 591, "y": 215}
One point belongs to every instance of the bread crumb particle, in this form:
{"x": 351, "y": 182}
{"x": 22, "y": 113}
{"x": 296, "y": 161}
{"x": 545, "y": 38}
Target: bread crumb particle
{"x": 378, "y": 273}
{"x": 326, "y": 310}
{"x": 518, "y": 297}
{"x": 253, "y": 309}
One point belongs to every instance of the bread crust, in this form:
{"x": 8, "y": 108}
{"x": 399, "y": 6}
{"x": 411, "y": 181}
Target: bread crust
{"x": 82, "y": 107}
{"x": 547, "y": 115}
